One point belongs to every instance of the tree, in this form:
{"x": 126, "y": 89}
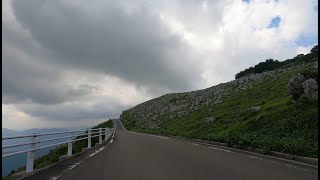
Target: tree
{"x": 268, "y": 65}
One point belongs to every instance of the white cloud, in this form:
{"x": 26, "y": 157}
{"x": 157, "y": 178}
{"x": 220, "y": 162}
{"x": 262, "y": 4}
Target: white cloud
{"x": 304, "y": 50}
{"x": 14, "y": 119}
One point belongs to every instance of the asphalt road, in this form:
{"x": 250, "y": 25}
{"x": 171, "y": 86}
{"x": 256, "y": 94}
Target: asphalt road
{"x": 138, "y": 156}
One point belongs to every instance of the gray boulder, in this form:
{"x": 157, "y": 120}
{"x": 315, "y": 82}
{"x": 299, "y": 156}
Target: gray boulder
{"x": 209, "y": 119}
{"x": 295, "y": 86}
{"x": 310, "y": 88}
{"x": 255, "y": 109}
{"x": 182, "y": 113}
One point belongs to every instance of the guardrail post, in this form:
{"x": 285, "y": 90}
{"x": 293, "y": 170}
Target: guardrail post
{"x": 70, "y": 147}
{"x": 89, "y": 138}
{"x": 100, "y": 135}
{"x": 106, "y": 134}
{"x": 30, "y": 156}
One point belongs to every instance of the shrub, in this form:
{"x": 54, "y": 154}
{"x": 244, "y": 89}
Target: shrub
{"x": 310, "y": 74}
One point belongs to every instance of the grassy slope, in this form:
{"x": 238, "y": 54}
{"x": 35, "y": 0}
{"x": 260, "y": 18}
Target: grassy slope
{"x": 281, "y": 125}
{"x": 77, "y": 146}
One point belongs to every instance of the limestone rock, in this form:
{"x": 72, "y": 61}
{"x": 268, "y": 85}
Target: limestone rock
{"x": 299, "y": 85}
{"x": 209, "y": 119}
{"x": 255, "y": 109}
{"x": 295, "y": 85}
{"x": 310, "y": 88}
{"x": 182, "y": 113}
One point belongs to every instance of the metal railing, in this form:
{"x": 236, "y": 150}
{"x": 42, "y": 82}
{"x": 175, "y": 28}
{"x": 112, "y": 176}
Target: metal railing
{"x": 70, "y": 139}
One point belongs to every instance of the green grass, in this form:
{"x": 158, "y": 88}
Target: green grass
{"x": 281, "y": 125}
{"x": 53, "y": 155}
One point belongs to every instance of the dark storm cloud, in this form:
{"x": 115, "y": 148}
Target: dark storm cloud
{"x": 25, "y": 79}
{"x": 135, "y": 47}
{"x": 50, "y": 38}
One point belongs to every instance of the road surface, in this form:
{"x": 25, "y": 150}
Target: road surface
{"x": 138, "y": 156}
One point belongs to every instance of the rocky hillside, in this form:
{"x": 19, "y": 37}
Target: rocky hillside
{"x": 274, "y": 110}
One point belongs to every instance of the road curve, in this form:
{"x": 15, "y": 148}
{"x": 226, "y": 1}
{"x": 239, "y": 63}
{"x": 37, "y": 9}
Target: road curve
{"x": 138, "y": 156}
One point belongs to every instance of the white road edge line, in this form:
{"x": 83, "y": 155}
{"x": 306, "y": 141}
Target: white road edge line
{"x": 254, "y": 157}
{"x": 238, "y": 150}
{"x": 149, "y": 135}
{"x": 219, "y": 149}
{"x": 291, "y": 166}
{"x": 76, "y": 164}
{"x": 274, "y": 159}
{"x": 54, "y": 178}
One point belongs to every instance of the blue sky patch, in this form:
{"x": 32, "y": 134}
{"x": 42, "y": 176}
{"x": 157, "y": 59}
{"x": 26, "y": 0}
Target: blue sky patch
{"x": 247, "y": 1}
{"x": 275, "y": 22}
{"x": 307, "y": 41}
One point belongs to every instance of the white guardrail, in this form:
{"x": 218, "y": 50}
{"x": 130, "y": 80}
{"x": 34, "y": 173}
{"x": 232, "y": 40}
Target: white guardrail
{"x": 71, "y": 136}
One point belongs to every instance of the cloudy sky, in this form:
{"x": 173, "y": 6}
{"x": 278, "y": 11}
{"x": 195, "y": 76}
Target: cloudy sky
{"x": 72, "y": 63}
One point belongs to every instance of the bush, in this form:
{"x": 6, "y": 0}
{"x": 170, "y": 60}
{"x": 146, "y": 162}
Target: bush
{"x": 310, "y": 74}
{"x": 268, "y": 65}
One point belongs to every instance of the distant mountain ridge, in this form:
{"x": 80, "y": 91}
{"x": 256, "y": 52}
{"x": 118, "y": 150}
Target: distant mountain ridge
{"x": 8, "y": 132}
